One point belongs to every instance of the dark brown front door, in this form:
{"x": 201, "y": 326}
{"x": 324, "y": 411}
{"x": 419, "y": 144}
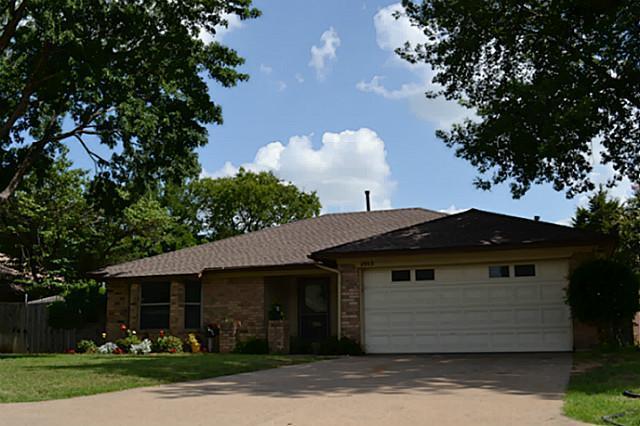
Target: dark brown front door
{"x": 313, "y": 308}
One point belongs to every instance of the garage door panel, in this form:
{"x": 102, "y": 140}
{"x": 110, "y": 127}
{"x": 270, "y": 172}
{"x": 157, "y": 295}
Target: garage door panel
{"x": 502, "y": 315}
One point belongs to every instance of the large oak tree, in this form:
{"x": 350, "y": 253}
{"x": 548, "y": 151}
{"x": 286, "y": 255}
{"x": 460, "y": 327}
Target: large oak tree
{"x": 127, "y": 74}
{"x": 549, "y": 80}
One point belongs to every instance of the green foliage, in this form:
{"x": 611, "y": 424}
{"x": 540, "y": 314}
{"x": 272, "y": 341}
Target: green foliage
{"x": 169, "y": 344}
{"x": 253, "y": 346}
{"x": 249, "y": 202}
{"x": 125, "y": 343}
{"x": 114, "y": 74}
{"x": 612, "y": 217}
{"x": 605, "y": 293}
{"x": 84, "y": 302}
{"x": 546, "y": 80}
{"x": 86, "y": 347}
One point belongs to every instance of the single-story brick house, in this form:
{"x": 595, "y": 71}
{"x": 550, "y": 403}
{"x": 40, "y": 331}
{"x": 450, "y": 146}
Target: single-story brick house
{"x": 405, "y": 280}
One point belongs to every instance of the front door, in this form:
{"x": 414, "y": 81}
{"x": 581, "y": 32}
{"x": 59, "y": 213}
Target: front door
{"x": 313, "y": 310}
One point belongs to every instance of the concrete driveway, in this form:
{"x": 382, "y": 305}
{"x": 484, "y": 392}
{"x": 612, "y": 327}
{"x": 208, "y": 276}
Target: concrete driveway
{"x": 522, "y": 389}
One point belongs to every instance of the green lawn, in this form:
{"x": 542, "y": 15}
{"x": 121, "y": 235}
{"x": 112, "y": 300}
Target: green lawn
{"x": 597, "y": 384}
{"x": 42, "y": 377}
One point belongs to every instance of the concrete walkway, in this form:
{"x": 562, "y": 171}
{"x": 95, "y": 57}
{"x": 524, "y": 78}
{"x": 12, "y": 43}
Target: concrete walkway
{"x": 523, "y": 389}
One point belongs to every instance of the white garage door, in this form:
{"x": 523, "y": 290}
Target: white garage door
{"x": 463, "y": 310}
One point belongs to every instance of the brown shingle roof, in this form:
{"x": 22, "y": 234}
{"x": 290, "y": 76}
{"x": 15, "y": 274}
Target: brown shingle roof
{"x": 289, "y": 244}
{"x": 472, "y": 229}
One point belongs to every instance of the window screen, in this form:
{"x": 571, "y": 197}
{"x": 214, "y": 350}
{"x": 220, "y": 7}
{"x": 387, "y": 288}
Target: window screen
{"x": 401, "y": 275}
{"x": 192, "y": 305}
{"x": 524, "y": 270}
{"x": 425, "y": 274}
{"x": 154, "y": 305}
{"x": 498, "y": 271}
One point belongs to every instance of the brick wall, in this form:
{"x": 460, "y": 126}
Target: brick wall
{"x": 350, "y": 303}
{"x": 134, "y": 303}
{"x": 176, "y": 309}
{"x": 236, "y": 299}
{"x": 278, "y": 336}
{"x": 117, "y": 307}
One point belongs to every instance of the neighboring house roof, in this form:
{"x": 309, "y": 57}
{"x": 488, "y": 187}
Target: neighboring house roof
{"x": 284, "y": 245}
{"x": 472, "y": 229}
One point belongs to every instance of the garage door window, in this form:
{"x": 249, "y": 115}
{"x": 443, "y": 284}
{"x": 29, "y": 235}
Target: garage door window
{"x": 401, "y": 275}
{"x": 425, "y": 274}
{"x": 524, "y": 270}
{"x": 501, "y": 271}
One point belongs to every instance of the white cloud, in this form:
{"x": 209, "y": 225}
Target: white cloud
{"x": 340, "y": 170}
{"x": 321, "y": 57}
{"x": 392, "y": 33}
{"x": 281, "y": 85}
{"x": 452, "y": 209}
{"x": 299, "y": 78}
{"x": 233, "y": 22}
{"x": 266, "y": 69}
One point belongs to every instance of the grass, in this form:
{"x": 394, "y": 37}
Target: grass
{"x": 43, "y": 377}
{"x": 597, "y": 384}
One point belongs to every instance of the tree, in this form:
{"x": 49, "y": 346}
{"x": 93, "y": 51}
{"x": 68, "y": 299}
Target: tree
{"x": 548, "y": 81}
{"x": 605, "y": 293}
{"x": 620, "y": 220}
{"x": 249, "y": 202}
{"x": 129, "y": 75}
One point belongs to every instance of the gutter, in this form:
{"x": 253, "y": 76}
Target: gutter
{"x": 339, "y": 285}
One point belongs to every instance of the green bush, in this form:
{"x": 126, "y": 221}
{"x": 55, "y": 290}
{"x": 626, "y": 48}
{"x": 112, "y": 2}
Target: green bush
{"x": 169, "y": 344}
{"x": 605, "y": 293}
{"x": 83, "y": 302}
{"x": 252, "y": 346}
{"x": 86, "y": 347}
{"x": 126, "y": 342}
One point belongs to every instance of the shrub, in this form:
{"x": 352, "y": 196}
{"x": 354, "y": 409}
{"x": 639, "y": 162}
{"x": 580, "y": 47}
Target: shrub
{"x": 83, "y": 302}
{"x": 126, "y": 342}
{"x": 86, "y": 347}
{"x": 169, "y": 344}
{"x": 141, "y": 348}
{"x": 329, "y": 346}
{"x": 193, "y": 344}
{"x": 605, "y": 293}
{"x": 252, "y": 346}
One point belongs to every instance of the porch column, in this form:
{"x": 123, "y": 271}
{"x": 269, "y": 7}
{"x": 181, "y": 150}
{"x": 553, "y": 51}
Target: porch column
{"x": 134, "y": 306}
{"x": 350, "y": 303}
{"x": 176, "y": 309}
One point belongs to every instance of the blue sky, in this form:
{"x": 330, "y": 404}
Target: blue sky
{"x": 347, "y": 115}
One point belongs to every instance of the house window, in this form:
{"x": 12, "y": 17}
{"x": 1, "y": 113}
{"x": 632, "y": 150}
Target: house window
{"x": 192, "y": 305}
{"x": 524, "y": 270}
{"x": 401, "y": 275}
{"x": 154, "y": 305}
{"x": 498, "y": 271}
{"x": 425, "y": 274}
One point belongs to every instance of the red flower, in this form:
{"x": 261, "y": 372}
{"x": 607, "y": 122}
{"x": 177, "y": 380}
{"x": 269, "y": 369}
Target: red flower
{"x": 161, "y": 333}
{"x": 172, "y": 350}
{"x": 117, "y": 351}
{"x": 123, "y": 327}
{"x": 71, "y": 351}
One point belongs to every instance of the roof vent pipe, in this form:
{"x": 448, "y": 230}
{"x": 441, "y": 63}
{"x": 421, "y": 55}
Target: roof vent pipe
{"x": 367, "y": 194}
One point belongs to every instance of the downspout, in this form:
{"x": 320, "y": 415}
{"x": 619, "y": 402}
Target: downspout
{"x": 339, "y": 285}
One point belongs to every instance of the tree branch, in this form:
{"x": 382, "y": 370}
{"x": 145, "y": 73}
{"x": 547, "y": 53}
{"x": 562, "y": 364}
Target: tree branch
{"x": 10, "y": 29}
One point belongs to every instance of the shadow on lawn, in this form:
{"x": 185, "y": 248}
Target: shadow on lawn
{"x": 544, "y": 375}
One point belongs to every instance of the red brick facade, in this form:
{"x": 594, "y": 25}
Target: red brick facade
{"x": 350, "y": 303}
{"x": 278, "y": 336}
{"x": 117, "y": 307}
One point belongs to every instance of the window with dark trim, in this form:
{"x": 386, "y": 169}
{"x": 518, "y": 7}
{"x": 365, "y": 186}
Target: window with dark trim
{"x": 401, "y": 275}
{"x": 501, "y": 271}
{"x": 155, "y": 298}
{"x": 192, "y": 305}
{"x": 425, "y": 274}
{"x": 524, "y": 270}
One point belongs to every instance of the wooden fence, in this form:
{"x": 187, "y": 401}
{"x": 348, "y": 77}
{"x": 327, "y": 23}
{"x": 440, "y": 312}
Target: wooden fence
{"x": 24, "y": 329}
